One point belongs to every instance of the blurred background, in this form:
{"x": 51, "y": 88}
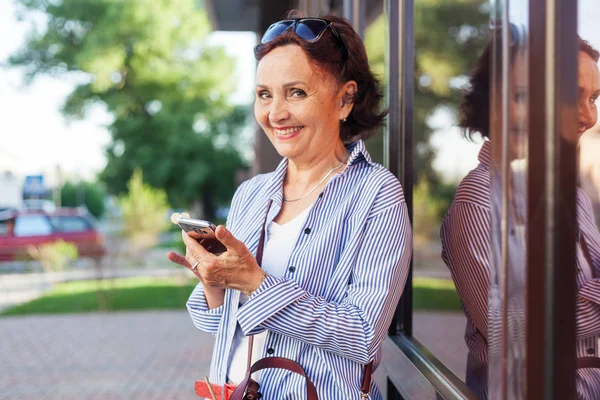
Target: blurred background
{"x": 114, "y": 114}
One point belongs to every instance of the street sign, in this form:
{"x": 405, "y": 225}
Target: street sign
{"x": 34, "y": 186}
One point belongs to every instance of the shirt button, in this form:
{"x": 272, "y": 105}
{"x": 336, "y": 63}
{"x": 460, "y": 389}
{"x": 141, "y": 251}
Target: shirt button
{"x": 270, "y": 351}
{"x": 591, "y": 351}
{"x": 292, "y": 269}
{"x": 307, "y": 231}
{"x": 578, "y": 270}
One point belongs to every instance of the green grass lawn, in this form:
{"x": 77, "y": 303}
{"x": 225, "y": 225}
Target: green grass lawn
{"x": 170, "y": 293}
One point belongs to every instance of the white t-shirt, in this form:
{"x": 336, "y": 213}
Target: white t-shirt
{"x": 279, "y": 243}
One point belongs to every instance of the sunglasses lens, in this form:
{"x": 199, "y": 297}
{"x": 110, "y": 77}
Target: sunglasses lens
{"x": 310, "y": 29}
{"x": 276, "y": 30}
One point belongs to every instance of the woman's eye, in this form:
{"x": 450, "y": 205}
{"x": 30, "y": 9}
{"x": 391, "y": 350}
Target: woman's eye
{"x": 263, "y": 94}
{"x": 298, "y": 93}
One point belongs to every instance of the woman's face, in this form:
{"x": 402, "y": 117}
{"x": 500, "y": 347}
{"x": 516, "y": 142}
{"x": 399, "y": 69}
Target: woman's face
{"x": 297, "y": 104}
{"x": 589, "y": 90}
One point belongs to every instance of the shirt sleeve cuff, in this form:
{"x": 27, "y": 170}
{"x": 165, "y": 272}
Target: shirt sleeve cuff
{"x": 591, "y": 291}
{"x": 203, "y": 318}
{"x": 272, "y": 296}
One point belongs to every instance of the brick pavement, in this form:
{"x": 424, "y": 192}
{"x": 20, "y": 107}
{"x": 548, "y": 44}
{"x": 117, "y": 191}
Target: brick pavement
{"x": 141, "y": 355}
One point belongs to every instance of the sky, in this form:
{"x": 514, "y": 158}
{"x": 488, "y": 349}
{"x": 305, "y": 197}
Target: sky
{"x": 35, "y": 138}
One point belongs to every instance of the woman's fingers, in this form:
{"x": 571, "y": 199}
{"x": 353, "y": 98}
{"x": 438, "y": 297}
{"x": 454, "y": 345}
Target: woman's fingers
{"x": 183, "y": 261}
{"x": 228, "y": 240}
{"x": 178, "y": 259}
{"x": 196, "y": 249}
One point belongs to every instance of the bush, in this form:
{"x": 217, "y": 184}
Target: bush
{"x": 88, "y": 194}
{"x": 55, "y": 256}
{"x": 144, "y": 209}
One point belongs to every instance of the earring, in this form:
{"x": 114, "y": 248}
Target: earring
{"x": 344, "y": 120}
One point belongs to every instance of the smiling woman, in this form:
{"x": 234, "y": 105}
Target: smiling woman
{"x": 317, "y": 251}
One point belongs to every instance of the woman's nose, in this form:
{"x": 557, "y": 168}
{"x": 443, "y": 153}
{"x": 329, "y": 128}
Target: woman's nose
{"x": 279, "y": 110}
{"x": 587, "y": 114}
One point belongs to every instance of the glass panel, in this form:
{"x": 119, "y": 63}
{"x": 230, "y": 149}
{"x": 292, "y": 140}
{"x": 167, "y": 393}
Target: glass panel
{"x": 449, "y": 36}
{"x": 375, "y": 43}
{"x": 588, "y": 199}
{"x": 508, "y": 198}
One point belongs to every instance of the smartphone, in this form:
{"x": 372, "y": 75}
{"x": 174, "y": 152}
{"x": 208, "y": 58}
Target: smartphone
{"x": 203, "y": 232}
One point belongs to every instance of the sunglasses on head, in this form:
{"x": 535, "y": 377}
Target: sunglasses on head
{"x": 309, "y": 29}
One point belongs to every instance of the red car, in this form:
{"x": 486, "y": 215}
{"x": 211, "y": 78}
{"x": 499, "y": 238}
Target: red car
{"x": 24, "y": 228}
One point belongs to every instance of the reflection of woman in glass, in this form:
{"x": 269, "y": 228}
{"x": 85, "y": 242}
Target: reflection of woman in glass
{"x": 466, "y": 229}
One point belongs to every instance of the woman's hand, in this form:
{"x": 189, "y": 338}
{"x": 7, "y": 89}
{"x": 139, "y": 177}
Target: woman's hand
{"x": 236, "y": 268}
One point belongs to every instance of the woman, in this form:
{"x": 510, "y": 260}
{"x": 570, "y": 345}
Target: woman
{"x": 337, "y": 238}
{"x": 466, "y": 229}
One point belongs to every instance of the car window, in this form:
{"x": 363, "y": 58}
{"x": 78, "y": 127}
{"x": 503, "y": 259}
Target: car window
{"x": 69, "y": 224}
{"x": 5, "y": 227}
{"x": 32, "y": 225}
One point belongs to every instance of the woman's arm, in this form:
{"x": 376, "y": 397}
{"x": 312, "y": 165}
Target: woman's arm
{"x": 204, "y": 317}
{"x": 587, "y": 305}
{"x": 587, "y": 310}
{"x": 205, "y": 304}
{"x": 355, "y": 327}
{"x": 465, "y": 235}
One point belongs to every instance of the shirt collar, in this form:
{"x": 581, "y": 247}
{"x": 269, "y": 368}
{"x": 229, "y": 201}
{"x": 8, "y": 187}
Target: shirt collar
{"x": 358, "y": 152}
{"x": 485, "y": 154}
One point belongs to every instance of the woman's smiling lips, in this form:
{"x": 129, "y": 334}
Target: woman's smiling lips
{"x": 287, "y": 132}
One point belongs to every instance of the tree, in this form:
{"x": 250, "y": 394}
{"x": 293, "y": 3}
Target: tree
{"x": 449, "y": 37}
{"x": 165, "y": 87}
{"x": 86, "y": 194}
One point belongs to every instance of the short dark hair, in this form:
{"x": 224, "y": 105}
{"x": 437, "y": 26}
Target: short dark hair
{"x": 474, "y": 111}
{"x": 345, "y": 59}
{"x": 586, "y": 47}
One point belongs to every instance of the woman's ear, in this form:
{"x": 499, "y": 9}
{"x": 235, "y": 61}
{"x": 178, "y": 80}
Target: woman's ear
{"x": 348, "y": 93}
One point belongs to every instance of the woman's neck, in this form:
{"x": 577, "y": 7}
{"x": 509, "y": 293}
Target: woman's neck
{"x": 310, "y": 170}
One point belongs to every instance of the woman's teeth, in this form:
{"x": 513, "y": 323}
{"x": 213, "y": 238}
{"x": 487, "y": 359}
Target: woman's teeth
{"x": 289, "y": 131}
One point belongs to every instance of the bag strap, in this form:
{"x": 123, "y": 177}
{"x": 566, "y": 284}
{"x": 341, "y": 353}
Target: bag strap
{"x": 366, "y": 380}
{"x": 368, "y": 371}
{"x": 259, "y": 256}
{"x": 275, "y": 362}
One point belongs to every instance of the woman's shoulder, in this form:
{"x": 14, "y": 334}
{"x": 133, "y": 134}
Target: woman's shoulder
{"x": 252, "y": 186}
{"x": 475, "y": 188}
{"x": 378, "y": 183}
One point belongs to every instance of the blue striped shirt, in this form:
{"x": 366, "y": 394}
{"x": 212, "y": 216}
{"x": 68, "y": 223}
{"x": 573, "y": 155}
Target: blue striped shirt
{"x": 331, "y": 312}
{"x": 466, "y": 234}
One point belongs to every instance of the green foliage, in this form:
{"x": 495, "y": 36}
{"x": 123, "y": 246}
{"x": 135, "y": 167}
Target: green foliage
{"x": 166, "y": 88}
{"x": 165, "y": 293}
{"x": 428, "y": 210}
{"x": 118, "y": 295}
{"x": 144, "y": 211}
{"x": 54, "y": 256}
{"x": 449, "y": 37}
{"x": 435, "y": 294}
{"x": 90, "y": 194}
